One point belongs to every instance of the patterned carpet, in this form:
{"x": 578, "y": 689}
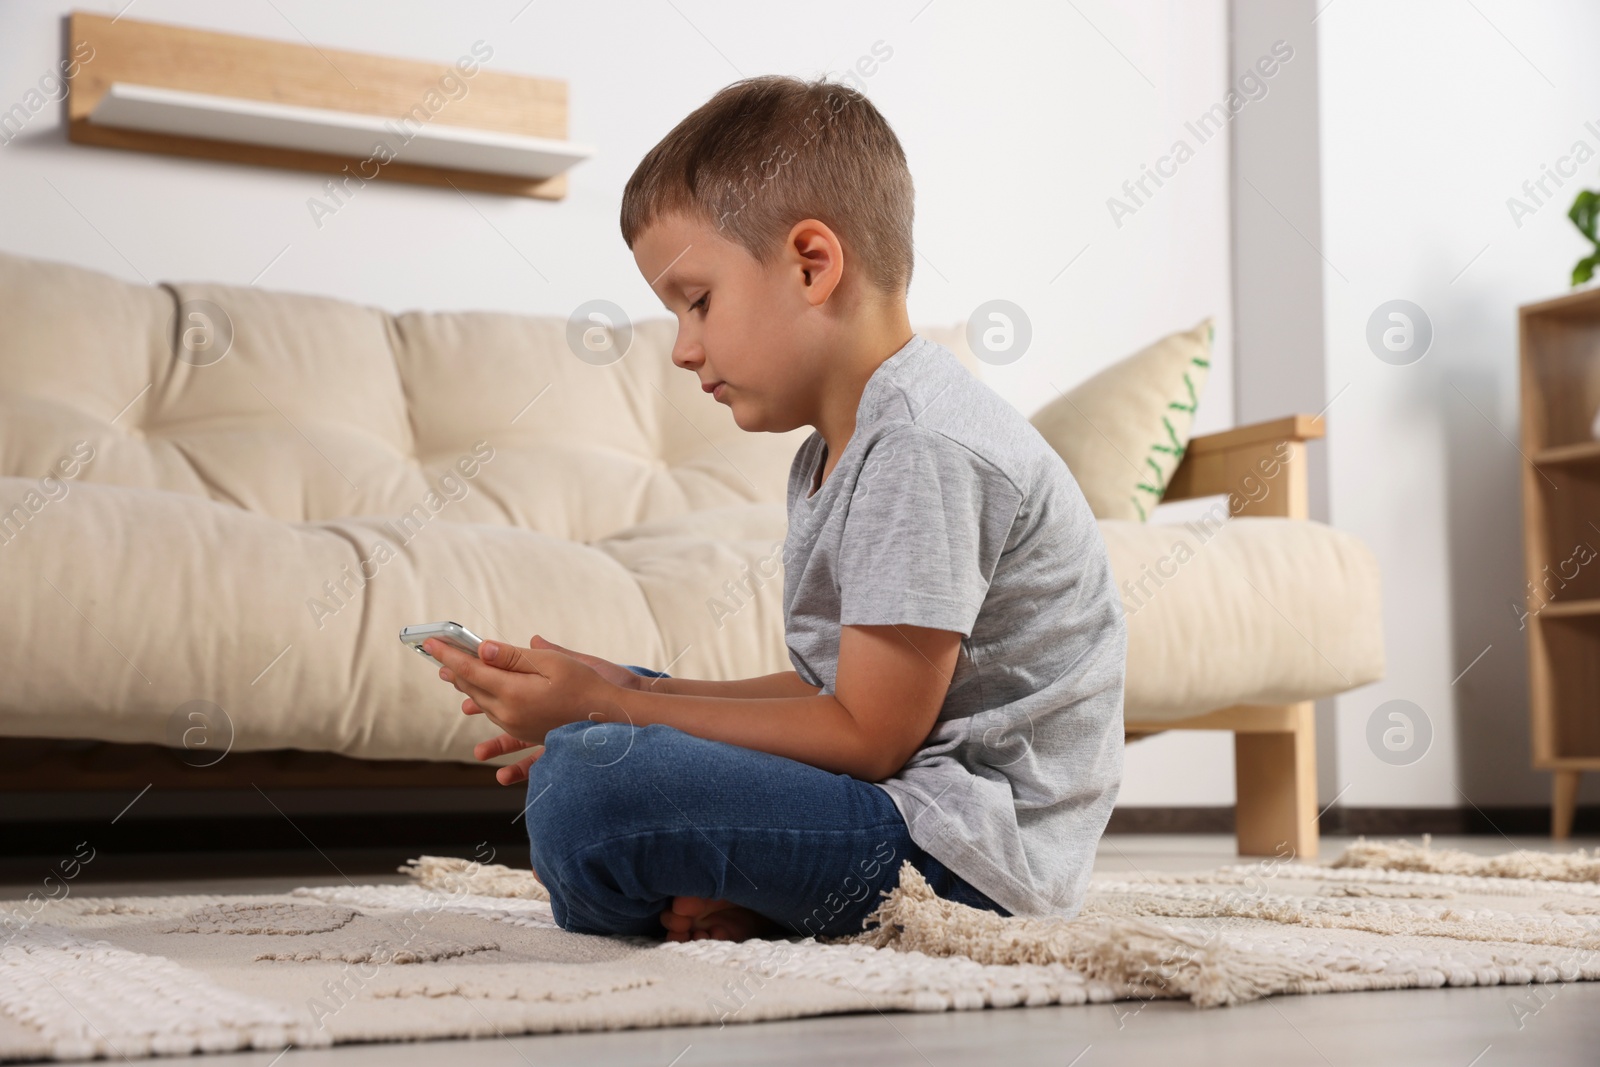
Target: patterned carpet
{"x": 472, "y": 951}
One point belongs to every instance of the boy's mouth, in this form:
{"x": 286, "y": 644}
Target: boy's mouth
{"x": 713, "y": 388}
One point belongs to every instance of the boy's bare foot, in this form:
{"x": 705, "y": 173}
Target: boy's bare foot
{"x": 696, "y": 918}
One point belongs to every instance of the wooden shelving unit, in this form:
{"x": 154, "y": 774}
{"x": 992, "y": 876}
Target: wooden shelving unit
{"x": 1560, "y": 346}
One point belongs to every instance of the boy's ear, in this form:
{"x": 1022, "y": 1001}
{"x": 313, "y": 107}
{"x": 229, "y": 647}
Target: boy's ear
{"x": 818, "y": 256}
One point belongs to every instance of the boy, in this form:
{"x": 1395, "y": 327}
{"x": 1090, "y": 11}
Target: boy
{"x": 949, "y": 606}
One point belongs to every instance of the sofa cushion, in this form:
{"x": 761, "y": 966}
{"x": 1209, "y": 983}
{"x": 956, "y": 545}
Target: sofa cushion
{"x": 1123, "y": 431}
{"x": 324, "y": 409}
{"x": 1243, "y": 611}
{"x": 136, "y": 601}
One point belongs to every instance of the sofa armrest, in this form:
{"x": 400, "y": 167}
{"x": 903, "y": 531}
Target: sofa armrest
{"x": 1262, "y": 467}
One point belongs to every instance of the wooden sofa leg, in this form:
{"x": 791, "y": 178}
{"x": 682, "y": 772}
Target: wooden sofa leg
{"x": 1565, "y": 803}
{"x": 1275, "y": 777}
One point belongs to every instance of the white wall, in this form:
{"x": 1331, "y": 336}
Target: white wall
{"x": 1019, "y": 122}
{"x": 1434, "y": 114}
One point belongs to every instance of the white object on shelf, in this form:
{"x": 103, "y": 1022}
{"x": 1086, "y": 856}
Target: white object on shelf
{"x": 338, "y": 133}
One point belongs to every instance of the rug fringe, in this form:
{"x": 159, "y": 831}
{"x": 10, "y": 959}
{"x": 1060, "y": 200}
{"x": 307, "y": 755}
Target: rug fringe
{"x": 1137, "y": 958}
{"x": 1580, "y": 866}
{"x": 451, "y": 874}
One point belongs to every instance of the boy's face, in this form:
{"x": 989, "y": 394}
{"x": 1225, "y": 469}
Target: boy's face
{"x": 743, "y": 327}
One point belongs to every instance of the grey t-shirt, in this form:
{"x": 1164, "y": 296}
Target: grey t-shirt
{"x": 947, "y": 509}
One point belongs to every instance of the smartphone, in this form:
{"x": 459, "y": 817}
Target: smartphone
{"x": 451, "y": 633}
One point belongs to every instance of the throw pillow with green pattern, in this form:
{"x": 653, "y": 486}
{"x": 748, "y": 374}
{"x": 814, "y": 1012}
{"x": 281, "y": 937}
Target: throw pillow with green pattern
{"x": 1123, "y": 431}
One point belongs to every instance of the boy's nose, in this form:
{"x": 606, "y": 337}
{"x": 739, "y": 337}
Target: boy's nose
{"x": 687, "y": 354}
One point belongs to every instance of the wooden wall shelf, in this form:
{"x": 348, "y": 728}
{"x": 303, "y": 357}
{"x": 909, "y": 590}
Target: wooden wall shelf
{"x": 1560, "y": 377}
{"x": 433, "y": 103}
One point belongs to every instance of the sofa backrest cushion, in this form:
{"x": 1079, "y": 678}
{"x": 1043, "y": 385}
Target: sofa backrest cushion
{"x": 323, "y": 409}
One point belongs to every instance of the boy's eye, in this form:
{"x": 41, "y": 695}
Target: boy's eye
{"x": 702, "y": 303}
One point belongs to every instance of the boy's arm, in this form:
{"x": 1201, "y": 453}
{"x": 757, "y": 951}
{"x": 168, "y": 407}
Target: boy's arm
{"x": 786, "y": 684}
{"x": 890, "y": 685}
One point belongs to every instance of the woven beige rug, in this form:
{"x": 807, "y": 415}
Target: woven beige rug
{"x": 472, "y": 951}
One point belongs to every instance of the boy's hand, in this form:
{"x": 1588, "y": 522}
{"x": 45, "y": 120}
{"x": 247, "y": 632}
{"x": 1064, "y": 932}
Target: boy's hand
{"x": 527, "y": 692}
{"x": 614, "y": 673}
{"x": 511, "y": 773}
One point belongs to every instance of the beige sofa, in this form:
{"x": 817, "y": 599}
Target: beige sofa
{"x": 252, "y": 531}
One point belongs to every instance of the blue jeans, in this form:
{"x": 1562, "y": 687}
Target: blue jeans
{"x": 623, "y": 818}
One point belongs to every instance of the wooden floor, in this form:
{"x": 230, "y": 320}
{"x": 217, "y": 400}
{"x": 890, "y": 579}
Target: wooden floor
{"x": 1486, "y": 1027}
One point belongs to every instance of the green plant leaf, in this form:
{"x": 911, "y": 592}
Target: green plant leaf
{"x": 1583, "y": 213}
{"x": 1584, "y": 270}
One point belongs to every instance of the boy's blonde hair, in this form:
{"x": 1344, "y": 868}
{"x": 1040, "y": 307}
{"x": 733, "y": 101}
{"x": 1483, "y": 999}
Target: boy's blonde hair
{"x": 766, "y": 152}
